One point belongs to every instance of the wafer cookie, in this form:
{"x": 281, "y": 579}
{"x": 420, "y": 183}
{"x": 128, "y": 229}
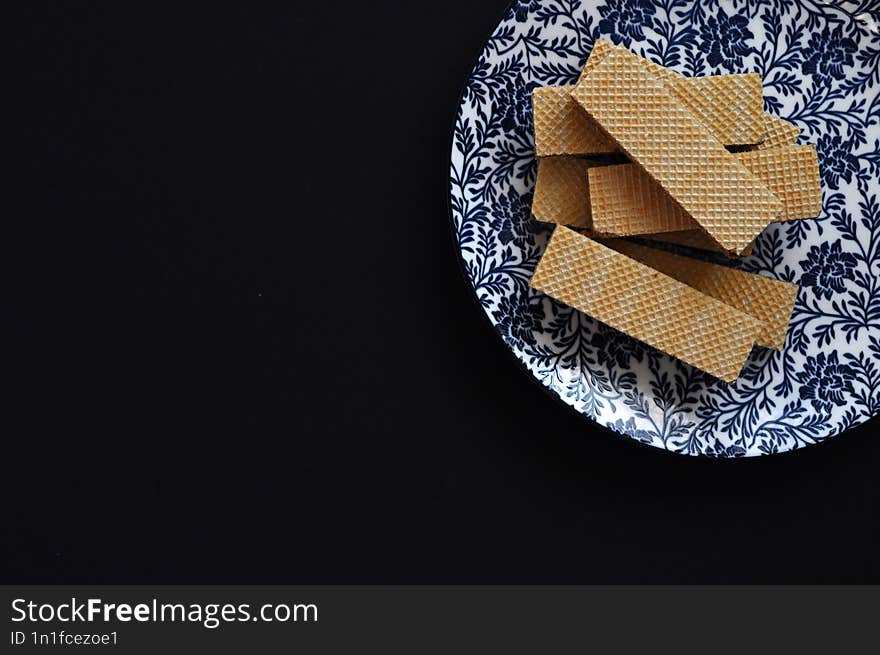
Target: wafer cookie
{"x": 646, "y": 304}
{"x": 778, "y": 132}
{"x": 775, "y": 131}
{"x": 731, "y": 106}
{"x": 769, "y": 301}
{"x": 561, "y": 194}
{"x": 792, "y": 175}
{"x": 600, "y": 48}
{"x": 718, "y": 192}
{"x": 562, "y": 127}
{"x": 628, "y": 202}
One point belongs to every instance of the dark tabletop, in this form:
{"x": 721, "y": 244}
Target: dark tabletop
{"x": 241, "y": 349}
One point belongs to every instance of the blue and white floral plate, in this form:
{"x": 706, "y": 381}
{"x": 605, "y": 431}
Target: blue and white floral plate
{"x": 820, "y": 61}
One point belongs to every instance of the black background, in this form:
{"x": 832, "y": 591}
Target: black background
{"x": 240, "y": 348}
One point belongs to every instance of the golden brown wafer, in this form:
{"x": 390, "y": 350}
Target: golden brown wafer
{"x": 562, "y": 127}
{"x": 769, "y": 301}
{"x": 561, "y": 194}
{"x": 778, "y": 132}
{"x": 731, "y": 106}
{"x": 600, "y": 48}
{"x": 628, "y": 202}
{"x": 775, "y": 131}
{"x": 792, "y": 174}
{"x": 647, "y": 305}
{"x": 677, "y": 151}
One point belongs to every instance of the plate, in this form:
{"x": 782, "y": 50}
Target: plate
{"x": 820, "y": 62}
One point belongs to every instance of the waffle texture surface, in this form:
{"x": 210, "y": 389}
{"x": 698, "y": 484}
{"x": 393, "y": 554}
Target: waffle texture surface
{"x": 561, "y": 194}
{"x": 769, "y": 301}
{"x": 718, "y": 192}
{"x": 778, "y": 132}
{"x": 626, "y": 201}
{"x": 743, "y": 91}
{"x": 730, "y": 106}
{"x": 562, "y": 127}
{"x": 600, "y": 49}
{"x": 646, "y": 304}
{"x": 792, "y": 174}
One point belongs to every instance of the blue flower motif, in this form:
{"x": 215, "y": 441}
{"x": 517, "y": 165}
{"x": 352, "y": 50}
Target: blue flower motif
{"x": 728, "y": 36}
{"x": 824, "y": 381}
{"x": 512, "y": 218}
{"x": 514, "y": 104}
{"x": 519, "y": 320}
{"x": 826, "y": 268}
{"x": 521, "y": 8}
{"x": 629, "y": 429}
{"x": 830, "y": 54}
{"x": 613, "y": 347}
{"x": 622, "y": 20}
{"x": 837, "y": 160}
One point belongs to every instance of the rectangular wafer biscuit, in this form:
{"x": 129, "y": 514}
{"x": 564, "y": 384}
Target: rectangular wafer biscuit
{"x": 775, "y": 131}
{"x": 562, "y": 127}
{"x": 778, "y": 132}
{"x": 646, "y": 304}
{"x": 677, "y": 151}
{"x": 561, "y": 194}
{"x": 628, "y": 202}
{"x": 602, "y": 48}
{"x": 769, "y": 301}
{"x": 731, "y": 106}
{"x": 792, "y": 175}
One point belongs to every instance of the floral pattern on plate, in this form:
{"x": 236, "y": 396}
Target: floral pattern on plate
{"x": 821, "y": 66}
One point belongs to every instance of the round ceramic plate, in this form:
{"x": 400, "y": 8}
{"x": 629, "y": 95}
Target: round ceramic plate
{"x": 820, "y": 61}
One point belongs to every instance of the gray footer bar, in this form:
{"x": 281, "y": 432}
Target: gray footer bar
{"x": 439, "y": 619}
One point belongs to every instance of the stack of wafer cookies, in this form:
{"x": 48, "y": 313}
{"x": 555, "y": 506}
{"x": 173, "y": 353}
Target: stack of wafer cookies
{"x": 698, "y": 163}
